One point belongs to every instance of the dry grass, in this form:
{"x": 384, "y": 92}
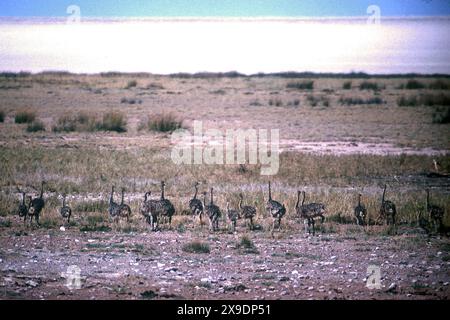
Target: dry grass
{"x": 131, "y": 84}
{"x": 367, "y": 85}
{"x": 165, "y": 122}
{"x": 24, "y": 116}
{"x": 86, "y": 162}
{"x": 301, "y": 85}
{"x": 79, "y": 122}
{"x": 196, "y": 247}
{"x": 428, "y": 100}
{"x": 35, "y": 126}
{"x": 113, "y": 121}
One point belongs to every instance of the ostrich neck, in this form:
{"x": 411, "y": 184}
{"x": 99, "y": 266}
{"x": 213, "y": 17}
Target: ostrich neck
{"x": 270, "y": 192}
{"x": 42, "y": 190}
{"x": 196, "y": 191}
{"x": 359, "y": 200}
{"x": 303, "y": 200}
{"x": 162, "y": 192}
{"x": 112, "y": 195}
{"x": 298, "y": 200}
{"x": 240, "y": 203}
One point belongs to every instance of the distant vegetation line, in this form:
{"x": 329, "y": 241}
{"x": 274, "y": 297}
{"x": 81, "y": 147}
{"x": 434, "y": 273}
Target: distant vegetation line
{"x": 235, "y": 74}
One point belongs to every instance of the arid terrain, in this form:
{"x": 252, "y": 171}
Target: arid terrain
{"x": 339, "y": 136}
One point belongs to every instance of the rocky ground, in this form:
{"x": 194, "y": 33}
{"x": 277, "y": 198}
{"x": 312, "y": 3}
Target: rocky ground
{"x": 34, "y": 265}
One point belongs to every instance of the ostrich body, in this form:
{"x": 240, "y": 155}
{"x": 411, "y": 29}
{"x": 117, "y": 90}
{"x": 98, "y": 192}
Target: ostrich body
{"x": 233, "y": 216}
{"x": 165, "y": 207}
{"x": 124, "y": 209}
{"x": 65, "y": 210}
{"x": 275, "y": 209}
{"x": 36, "y": 206}
{"x": 114, "y": 208}
{"x": 212, "y": 211}
{"x": 195, "y": 205}
{"x": 23, "y": 208}
{"x": 388, "y": 210}
{"x": 144, "y": 209}
{"x": 309, "y": 211}
{"x": 360, "y": 212}
{"x": 247, "y": 212}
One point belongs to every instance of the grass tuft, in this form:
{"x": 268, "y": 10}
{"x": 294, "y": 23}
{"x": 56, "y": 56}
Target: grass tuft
{"x": 24, "y": 116}
{"x": 196, "y": 247}
{"x": 36, "y": 126}
{"x": 166, "y": 122}
{"x": 367, "y": 85}
{"x": 301, "y": 85}
{"x": 113, "y": 121}
{"x": 131, "y": 84}
{"x": 347, "y": 85}
{"x": 441, "y": 116}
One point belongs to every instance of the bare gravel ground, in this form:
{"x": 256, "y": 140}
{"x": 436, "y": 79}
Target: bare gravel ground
{"x": 113, "y": 265}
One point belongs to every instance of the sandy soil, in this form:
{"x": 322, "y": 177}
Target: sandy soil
{"x": 33, "y": 264}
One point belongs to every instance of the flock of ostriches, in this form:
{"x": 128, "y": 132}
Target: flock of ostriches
{"x": 155, "y": 210}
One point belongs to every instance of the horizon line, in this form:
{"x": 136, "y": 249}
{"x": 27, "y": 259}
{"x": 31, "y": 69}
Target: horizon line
{"x": 228, "y": 74}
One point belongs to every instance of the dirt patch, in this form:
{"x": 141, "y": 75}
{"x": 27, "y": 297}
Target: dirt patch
{"x": 34, "y": 264}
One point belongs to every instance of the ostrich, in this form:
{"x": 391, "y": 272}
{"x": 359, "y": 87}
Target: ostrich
{"x": 233, "y": 216}
{"x": 23, "y": 208}
{"x": 196, "y": 205}
{"x": 275, "y": 209}
{"x": 387, "y": 210}
{"x": 435, "y": 212}
{"x": 309, "y": 211}
{"x": 360, "y": 212}
{"x": 144, "y": 209}
{"x": 36, "y": 205}
{"x": 212, "y": 211}
{"x": 124, "y": 209}
{"x": 149, "y": 209}
{"x": 114, "y": 208}
{"x": 248, "y": 212}
{"x": 165, "y": 208}
{"x": 65, "y": 210}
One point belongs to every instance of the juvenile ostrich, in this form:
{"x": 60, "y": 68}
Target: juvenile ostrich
{"x": 23, "y": 208}
{"x": 144, "y": 209}
{"x": 124, "y": 209}
{"x": 435, "y": 212}
{"x": 275, "y": 209}
{"x": 150, "y": 209}
{"x": 114, "y": 208}
{"x": 309, "y": 211}
{"x": 212, "y": 211}
{"x": 233, "y": 216}
{"x": 36, "y": 205}
{"x": 360, "y": 212}
{"x": 165, "y": 208}
{"x": 195, "y": 205}
{"x": 387, "y": 210}
{"x": 65, "y": 210}
{"x": 247, "y": 212}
